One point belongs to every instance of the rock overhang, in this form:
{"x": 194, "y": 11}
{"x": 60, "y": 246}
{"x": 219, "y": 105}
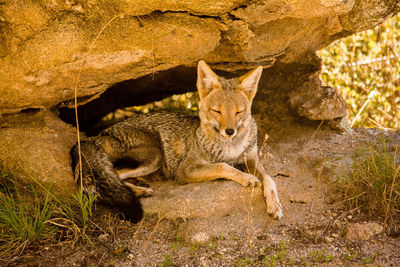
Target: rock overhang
{"x": 46, "y": 46}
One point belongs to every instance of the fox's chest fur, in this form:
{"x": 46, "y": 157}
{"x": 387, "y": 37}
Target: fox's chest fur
{"x": 231, "y": 151}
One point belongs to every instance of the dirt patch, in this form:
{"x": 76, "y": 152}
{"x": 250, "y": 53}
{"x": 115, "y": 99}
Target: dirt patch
{"x": 304, "y": 162}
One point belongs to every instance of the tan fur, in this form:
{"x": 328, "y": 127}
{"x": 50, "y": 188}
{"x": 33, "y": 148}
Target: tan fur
{"x": 191, "y": 149}
{"x": 140, "y": 191}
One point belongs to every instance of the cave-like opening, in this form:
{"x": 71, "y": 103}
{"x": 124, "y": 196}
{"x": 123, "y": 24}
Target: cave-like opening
{"x": 135, "y": 92}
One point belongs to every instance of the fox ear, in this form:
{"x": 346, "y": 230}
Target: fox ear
{"x": 249, "y": 82}
{"x": 206, "y": 79}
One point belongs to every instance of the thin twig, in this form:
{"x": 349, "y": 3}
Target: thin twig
{"x": 249, "y": 210}
{"x": 76, "y": 95}
{"x": 140, "y": 227}
{"x": 152, "y": 233}
{"x": 371, "y": 95}
{"x": 311, "y": 139}
{"x": 391, "y": 189}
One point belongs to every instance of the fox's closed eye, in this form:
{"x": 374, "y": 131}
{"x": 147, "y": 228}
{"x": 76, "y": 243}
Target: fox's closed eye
{"x": 239, "y": 112}
{"x": 216, "y": 111}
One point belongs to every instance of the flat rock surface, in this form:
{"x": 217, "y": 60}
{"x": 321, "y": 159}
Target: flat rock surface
{"x": 203, "y": 200}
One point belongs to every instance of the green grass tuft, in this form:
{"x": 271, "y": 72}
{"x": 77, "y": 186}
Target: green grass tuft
{"x": 23, "y": 221}
{"x": 85, "y": 203}
{"x": 374, "y": 182}
{"x": 167, "y": 261}
{"x": 28, "y": 218}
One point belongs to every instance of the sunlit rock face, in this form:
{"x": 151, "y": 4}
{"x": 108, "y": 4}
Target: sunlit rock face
{"x": 47, "y": 45}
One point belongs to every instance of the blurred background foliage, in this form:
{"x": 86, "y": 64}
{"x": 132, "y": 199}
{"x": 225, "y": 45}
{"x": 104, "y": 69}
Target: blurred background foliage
{"x": 365, "y": 68}
{"x": 185, "y": 103}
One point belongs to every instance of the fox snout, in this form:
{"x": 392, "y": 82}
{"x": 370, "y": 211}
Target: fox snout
{"x": 228, "y": 132}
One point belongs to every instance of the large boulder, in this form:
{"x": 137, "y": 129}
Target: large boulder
{"x": 34, "y": 147}
{"x": 47, "y": 46}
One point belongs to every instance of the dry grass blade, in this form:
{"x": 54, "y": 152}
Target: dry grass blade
{"x": 152, "y": 233}
{"x": 373, "y": 185}
{"x": 305, "y": 154}
{"x": 249, "y": 209}
{"x": 76, "y": 93}
{"x": 136, "y": 235}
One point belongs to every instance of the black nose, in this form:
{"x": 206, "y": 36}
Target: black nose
{"x": 229, "y": 131}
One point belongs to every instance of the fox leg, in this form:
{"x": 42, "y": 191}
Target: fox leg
{"x": 140, "y": 191}
{"x": 209, "y": 172}
{"x": 148, "y": 154}
{"x": 269, "y": 187}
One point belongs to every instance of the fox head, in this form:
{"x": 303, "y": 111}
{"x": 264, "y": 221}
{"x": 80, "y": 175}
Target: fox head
{"x": 225, "y": 104}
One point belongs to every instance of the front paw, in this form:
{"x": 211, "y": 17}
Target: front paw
{"x": 145, "y": 192}
{"x": 140, "y": 191}
{"x": 275, "y": 211}
{"x": 274, "y": 208}
{"x": 251, "y": 181}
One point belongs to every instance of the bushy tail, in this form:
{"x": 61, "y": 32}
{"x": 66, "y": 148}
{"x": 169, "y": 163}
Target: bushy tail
{"x": 99, "y": 178}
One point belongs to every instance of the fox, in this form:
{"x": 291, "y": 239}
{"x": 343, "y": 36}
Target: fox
{"x": 189, "y": 149}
